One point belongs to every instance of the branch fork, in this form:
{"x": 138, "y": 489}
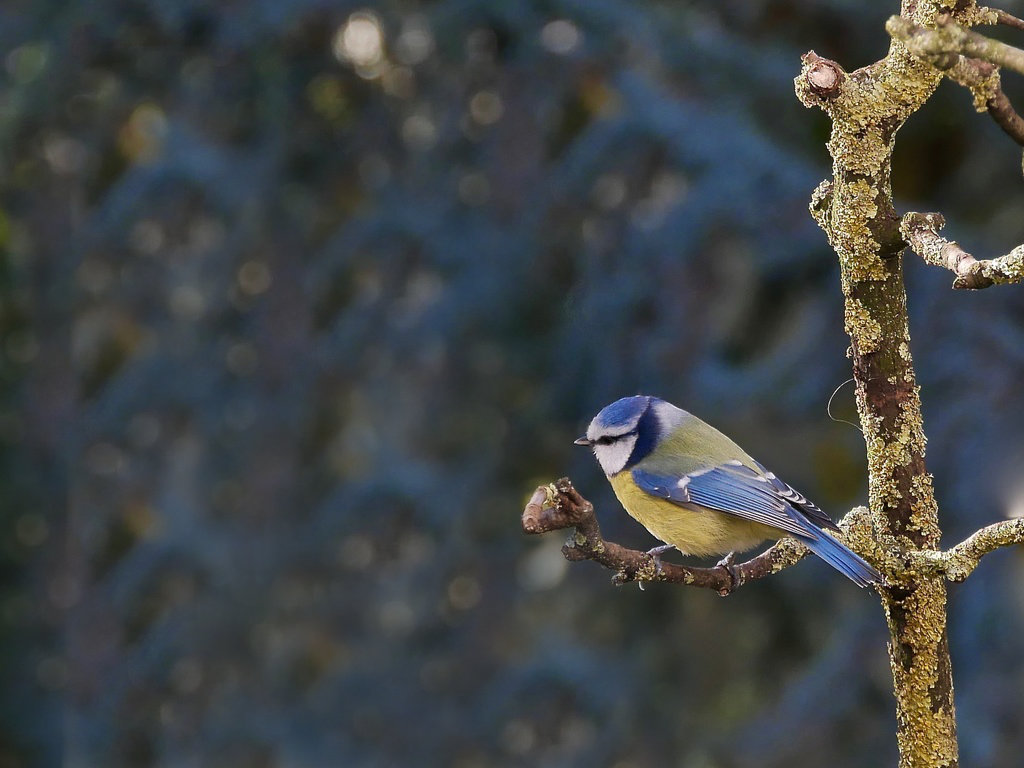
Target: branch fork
{"x": 970, "y": 59}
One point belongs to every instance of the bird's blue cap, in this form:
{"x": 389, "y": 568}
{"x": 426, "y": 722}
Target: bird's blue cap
{"x": 625, "y": 411}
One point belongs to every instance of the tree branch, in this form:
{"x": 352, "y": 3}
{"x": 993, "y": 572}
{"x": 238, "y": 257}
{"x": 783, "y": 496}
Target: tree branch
{"x": 941, "y": 46}
{"x": 959, "y": 562}
{"x": 921, "y": 231}
{"x": 560, "y": 506}
{"x": 1001, "y": 110}
{"x": 1002, "y": 17}
{"x": 863, "y": 228}
{"x": 982, "y": 79}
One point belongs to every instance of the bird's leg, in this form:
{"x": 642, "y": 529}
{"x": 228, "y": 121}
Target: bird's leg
{"x": 656, "y": 553}
{"x": 726, "y": 563}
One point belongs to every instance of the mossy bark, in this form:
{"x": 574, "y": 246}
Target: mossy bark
{"x": 856, "y": 211}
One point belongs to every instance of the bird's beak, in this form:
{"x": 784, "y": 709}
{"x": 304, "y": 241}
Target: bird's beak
{"x": 583, "y": 441}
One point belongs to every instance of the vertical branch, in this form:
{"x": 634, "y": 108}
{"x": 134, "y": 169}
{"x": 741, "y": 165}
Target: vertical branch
{"x": 856, "y": 211}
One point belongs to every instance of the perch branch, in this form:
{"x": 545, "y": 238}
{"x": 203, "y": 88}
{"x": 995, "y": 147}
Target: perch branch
{"x": 959, "y": 562}
{"x": 941, "y": 46}
{"x": 921, "y": 231}
{"x": 560, "y": 506}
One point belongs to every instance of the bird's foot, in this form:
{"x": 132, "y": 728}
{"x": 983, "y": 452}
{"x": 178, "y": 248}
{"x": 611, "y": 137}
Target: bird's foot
{"x": 656, "y": 553}
{"x": 726, "y": 564}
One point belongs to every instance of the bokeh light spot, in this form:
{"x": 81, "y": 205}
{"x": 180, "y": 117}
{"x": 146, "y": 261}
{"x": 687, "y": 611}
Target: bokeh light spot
{"x": 356, "y": 552}
{"x": 561, "y": 36}
{"x": 64, "y": 155}
{"x": 518, "y": 736}
{"x": 105, "y": 459}
{"x": 147, "y": 236}
{"x": 144, "y": 430}
{"x": 415, "y": 43}
{"x": 187, "y": 302}
{"x": 360, "y": 40}
{"x": 142, "y": 136}
{"x": 486, "y": 107}
{"x": 419, "y": 131}
{"x": 254, "y": 278}
{"x": 26, "y": 62}
{"x": 396, "y": 617}
{"x": 544, "y": 566}
{"x": 463, "y": 592}
{"x": 609, "y": 191}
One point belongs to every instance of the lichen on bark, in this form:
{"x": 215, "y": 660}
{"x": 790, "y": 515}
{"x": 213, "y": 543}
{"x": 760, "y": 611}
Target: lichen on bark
{"x": 856, "y": 211}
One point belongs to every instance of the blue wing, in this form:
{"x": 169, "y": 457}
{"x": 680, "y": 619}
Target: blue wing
{"x": 761, "y": 497}
{"x": 730, "y": 488}
{"x": 798, "y": 500}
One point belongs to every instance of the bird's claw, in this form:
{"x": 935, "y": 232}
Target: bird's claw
{"x": 726, "y": 564}
{"x": 655, "y": 554}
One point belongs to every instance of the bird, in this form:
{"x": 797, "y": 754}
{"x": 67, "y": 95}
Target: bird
{"x": 697, "y": 491}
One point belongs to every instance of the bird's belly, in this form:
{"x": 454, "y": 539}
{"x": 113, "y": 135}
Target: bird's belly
{"x": 692, "y": 529}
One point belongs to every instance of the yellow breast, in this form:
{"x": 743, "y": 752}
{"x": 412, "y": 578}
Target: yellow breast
{"x": 692, "y": 529}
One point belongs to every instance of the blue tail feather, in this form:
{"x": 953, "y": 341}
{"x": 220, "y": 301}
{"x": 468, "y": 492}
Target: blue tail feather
{"x": 843, "y": 560}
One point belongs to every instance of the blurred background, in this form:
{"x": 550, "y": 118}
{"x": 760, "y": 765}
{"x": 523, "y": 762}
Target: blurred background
{"x": 302, "y": 299}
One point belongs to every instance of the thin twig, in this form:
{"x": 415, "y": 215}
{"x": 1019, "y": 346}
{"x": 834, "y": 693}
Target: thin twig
{"x": 959, "y": 562}
{"x": 982, "y": 79}
{"x": 940, "y": 46}
{"x": 921, "y": 231}
{"x": 1004, "y": 18}
{"x": 1006, "y": 117}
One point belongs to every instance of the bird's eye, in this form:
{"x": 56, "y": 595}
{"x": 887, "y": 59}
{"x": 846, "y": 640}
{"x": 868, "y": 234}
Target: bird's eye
{"x": 605, "y": 440}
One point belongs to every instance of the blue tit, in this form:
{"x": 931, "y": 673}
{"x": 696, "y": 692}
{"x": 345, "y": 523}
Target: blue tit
{"x": 696, "y": 490}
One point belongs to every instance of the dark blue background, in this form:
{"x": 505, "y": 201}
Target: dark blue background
{"x": 291, "y": 329}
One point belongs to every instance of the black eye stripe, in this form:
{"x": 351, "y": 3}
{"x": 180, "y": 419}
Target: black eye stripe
{"x": 608, "y": 440}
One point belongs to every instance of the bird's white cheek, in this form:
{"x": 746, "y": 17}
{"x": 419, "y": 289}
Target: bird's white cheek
{"x": 613, "y": 457}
